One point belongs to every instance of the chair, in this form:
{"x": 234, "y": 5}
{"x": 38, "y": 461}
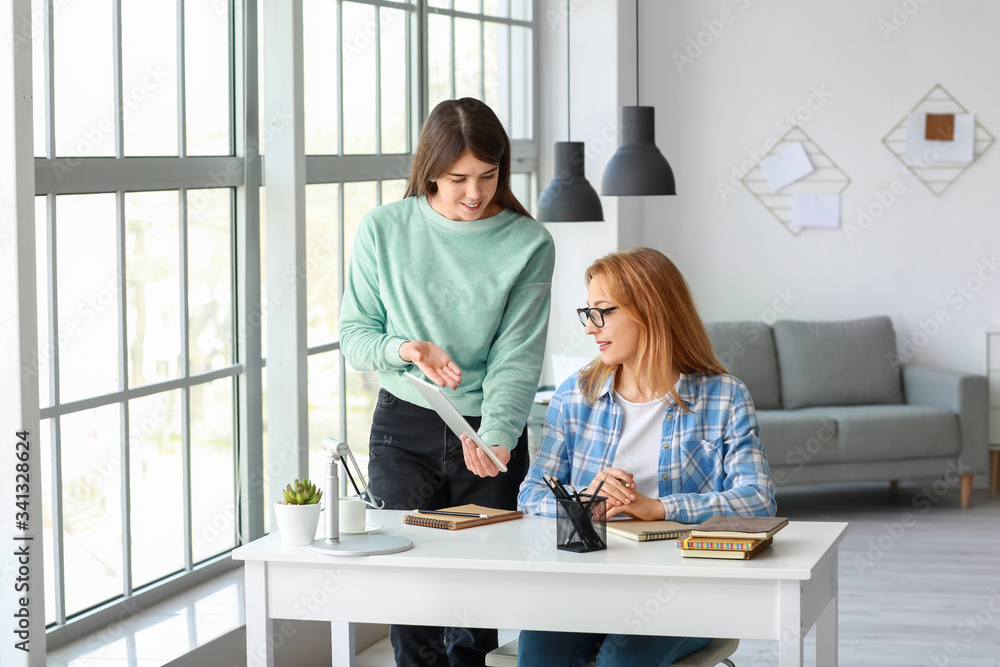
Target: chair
{"x": 717, "y": 652}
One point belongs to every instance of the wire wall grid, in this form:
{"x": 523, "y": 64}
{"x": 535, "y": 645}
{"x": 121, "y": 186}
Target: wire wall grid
{"x": 827, "y": 178}
{"x": 936, "y": 177}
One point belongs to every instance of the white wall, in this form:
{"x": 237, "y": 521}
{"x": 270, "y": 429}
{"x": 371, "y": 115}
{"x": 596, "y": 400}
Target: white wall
{"x": 594, "y": 120}
{"x": 764, "y": 64}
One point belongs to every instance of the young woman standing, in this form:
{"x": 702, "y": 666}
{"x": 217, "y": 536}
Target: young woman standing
{"x": 452, "y": 282}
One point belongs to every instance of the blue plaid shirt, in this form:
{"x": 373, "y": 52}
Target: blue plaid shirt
{"x": 712, "y": 461}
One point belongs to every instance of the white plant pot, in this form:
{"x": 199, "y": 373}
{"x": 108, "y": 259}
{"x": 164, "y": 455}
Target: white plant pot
{"x": 296, "y": 523}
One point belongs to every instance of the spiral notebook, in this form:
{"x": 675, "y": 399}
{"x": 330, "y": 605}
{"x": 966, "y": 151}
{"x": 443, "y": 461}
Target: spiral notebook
{"x": 490, "y": 515}
{"x": 647, "y": 531}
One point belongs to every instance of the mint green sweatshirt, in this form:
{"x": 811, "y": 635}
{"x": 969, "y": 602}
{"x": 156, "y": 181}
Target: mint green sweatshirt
{"x": 479, "y": 290}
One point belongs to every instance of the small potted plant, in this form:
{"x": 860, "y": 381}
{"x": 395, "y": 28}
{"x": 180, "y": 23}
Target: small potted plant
{"x": 298, "y": 513}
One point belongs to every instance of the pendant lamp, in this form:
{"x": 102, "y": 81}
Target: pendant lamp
{"x": 638, "y": 167}
{"x": 569, "y": 197}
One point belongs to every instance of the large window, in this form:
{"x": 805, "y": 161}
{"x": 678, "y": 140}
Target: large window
{"x": 361, "y": 134}
{"x": 150, "y": 282}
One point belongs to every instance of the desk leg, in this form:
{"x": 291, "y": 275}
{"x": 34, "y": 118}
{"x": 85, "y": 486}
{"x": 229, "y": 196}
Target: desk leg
{"x": 994, "y": 472}
{"x": 826, "y": 636}
{"x": 342, "y": 643}
{"x": 260, "y": 637}
{"x": 790, "y": 634}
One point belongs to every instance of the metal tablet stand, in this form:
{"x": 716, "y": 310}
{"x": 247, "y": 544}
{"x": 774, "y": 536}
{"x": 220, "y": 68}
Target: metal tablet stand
{"x": 350, "y": 545}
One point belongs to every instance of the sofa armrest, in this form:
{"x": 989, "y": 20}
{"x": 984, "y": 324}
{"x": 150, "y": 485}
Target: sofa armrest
{"x": 965, "y": 394}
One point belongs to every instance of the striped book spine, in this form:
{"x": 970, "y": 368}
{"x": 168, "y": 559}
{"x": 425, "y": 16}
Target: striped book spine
{"x": 722, "y": 545}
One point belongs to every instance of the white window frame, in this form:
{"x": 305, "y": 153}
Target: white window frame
{"x": 287, "y": 170}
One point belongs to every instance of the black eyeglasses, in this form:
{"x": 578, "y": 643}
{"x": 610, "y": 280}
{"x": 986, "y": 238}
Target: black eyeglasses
{"x": 595, "y": 315}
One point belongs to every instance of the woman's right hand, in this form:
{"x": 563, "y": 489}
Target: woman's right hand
{"x": 618, "y": 486}
{"x": 433, "y": 361}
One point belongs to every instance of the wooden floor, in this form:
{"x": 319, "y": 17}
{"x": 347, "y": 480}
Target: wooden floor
{"x": 919, "y": 577}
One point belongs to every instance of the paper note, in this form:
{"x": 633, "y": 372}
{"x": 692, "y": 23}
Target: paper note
{"x": 811, "y": 209}
{"x": 922, "y": 151}
{"x": 786, "y": 165}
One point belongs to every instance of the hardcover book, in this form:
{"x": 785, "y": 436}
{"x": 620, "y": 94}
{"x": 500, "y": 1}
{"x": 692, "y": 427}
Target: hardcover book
{"x": 745, "y": 527}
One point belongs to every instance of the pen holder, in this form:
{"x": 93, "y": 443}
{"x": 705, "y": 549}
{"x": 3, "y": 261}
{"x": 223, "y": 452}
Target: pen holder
{"x": 580, "y": 524}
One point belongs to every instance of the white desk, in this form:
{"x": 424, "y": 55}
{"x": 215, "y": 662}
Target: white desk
{"x": 510, "y": 575}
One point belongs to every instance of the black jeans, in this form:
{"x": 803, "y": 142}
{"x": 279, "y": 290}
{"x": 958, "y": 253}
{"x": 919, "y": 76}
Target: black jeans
{"x": 416, "y": 462}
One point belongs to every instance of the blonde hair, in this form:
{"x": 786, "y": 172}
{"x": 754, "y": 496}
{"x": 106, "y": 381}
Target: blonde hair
{"x": 647, "y": 288}
{"x": 452, "y": 128}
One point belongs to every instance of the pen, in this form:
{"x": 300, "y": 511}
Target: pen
{"x": 472, "y": 514}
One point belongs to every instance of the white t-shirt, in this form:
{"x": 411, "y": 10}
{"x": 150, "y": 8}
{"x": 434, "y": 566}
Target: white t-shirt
{"x": 639, "y": 447}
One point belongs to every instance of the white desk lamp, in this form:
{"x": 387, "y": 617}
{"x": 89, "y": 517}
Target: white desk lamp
{"x": 350, "y": 545}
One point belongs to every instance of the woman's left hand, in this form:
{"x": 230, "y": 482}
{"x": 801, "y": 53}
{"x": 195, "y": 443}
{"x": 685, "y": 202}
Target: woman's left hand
{"x": 477, "y": 461}
{"x": 642, "y": 507}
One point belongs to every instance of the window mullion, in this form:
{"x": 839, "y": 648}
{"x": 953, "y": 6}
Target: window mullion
{"x": 119, "y": 103}
{"x": 378, "y": 79}
{"x": 285, "y": 177}
{"x": 510, "y": 75}
{"x": 123, "y": 383}
{"x": 342, "y": 370}
{"x": 339, "y": 32}
{"x": 247, "y": 314}
{"x": 232, "y": 69}
{"x": 50, "y": 86}
{"x": 186, "y": 374}
{"x": 454, "y": 63}
{"x": 181, "y": 84}
{"x": 58, "y": 548}
{"x": 52, "y": 349}
{"x": 341, "y": 273}
{"x": 423, "y": 69}
{"x": 482, "y": 56}
{"x": 411, "y": 90}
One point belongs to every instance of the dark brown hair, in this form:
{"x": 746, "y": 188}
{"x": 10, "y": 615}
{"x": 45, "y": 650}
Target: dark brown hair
{"x": 649, "y": 289}
{"x": 452, "y": 128}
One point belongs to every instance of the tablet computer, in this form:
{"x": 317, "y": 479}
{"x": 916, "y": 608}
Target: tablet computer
{"x": 450, "y": 414}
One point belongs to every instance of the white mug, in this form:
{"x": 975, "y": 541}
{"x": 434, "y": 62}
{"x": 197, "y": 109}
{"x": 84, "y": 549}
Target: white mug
{"x": 352, "y": 514}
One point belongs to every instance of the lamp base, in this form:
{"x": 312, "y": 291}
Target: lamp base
{"x": 362, "y": 545}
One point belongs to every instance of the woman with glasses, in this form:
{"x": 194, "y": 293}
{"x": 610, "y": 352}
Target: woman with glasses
{"x": 657, "y": 423}
{"x": 452, "y": 282}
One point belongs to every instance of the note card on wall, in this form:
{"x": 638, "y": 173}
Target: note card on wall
{"x": 786, "y": 165}
{"x": 815, "y": 209}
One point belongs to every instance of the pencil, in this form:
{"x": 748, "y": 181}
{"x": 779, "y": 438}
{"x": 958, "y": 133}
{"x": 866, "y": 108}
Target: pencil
{"x": 557, "y": 488}
{"x": 472, "y": 514}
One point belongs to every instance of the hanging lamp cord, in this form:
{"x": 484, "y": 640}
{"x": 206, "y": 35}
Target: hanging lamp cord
{"x": 637, "y": 52}
{"x": 569, "y": 134}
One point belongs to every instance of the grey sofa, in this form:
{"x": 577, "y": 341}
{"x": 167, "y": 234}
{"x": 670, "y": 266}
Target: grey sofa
{"x": 836, "y": 403}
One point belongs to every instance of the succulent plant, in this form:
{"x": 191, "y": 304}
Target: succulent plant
{"x": 303, "y": 492}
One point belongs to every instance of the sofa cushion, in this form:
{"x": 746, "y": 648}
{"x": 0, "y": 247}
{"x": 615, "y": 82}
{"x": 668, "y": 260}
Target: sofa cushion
{"x": 837, "y": 363}
{"x": 798, "y": 437}
{"x": 746, "y": 349}
{"x": 893, "y": 432}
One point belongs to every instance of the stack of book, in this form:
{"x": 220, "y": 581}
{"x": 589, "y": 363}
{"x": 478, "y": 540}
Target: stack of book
{"x": 737, "y": 537}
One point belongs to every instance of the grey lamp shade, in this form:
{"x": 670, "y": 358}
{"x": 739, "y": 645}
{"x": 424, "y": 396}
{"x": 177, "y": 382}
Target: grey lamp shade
{"x": 569, "y": 197}
{"x": 638, "y": 167}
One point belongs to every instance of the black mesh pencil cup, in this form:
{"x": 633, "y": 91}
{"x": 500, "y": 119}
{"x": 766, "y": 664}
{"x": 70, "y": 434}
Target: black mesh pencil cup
{"x": 580, "y": 523}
